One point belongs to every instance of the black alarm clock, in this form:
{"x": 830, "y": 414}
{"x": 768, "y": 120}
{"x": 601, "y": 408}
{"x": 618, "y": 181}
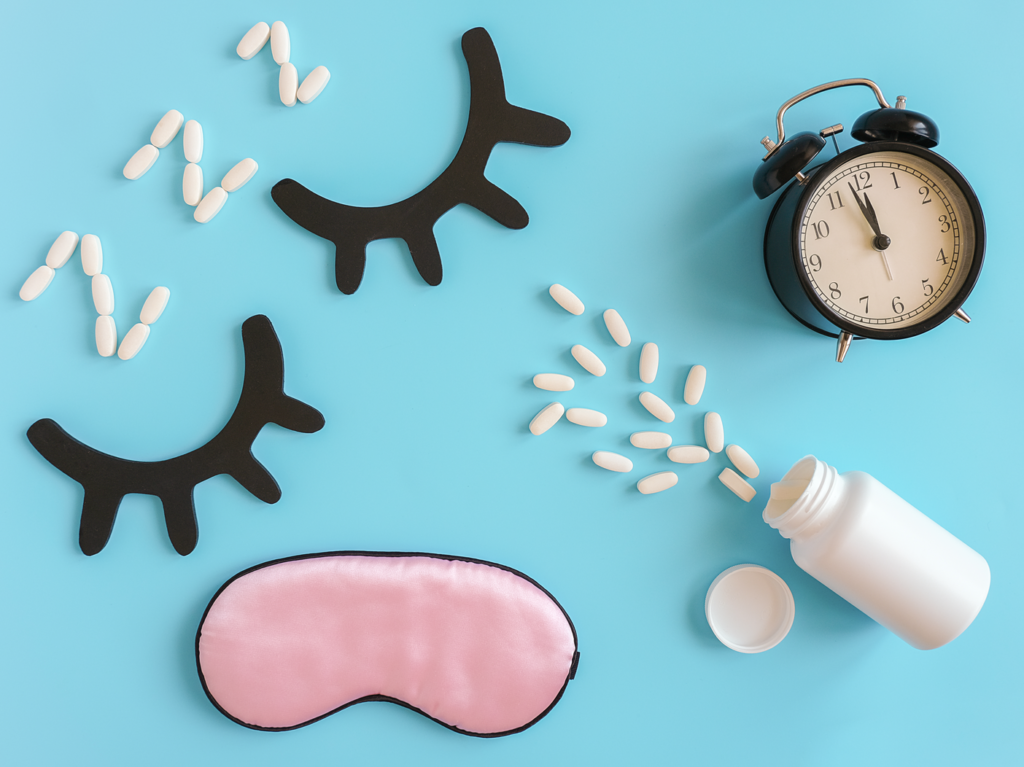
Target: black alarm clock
{"x": 885, "y": 240}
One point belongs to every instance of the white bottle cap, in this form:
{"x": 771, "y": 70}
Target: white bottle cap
{"x": 749, "y": 608}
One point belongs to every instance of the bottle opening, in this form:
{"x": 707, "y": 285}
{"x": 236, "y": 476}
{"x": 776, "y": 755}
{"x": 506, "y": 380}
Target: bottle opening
{"x": 786, "y": 491}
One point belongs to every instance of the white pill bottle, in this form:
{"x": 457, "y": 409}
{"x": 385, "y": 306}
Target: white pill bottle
{"x": 879, "y": 553}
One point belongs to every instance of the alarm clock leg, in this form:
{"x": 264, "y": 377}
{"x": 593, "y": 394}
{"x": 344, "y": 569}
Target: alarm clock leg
{"x": 844, "y": 345}
{"x": 960, "y": 314}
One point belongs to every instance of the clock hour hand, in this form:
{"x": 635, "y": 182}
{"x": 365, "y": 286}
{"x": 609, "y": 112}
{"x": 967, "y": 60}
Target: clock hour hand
{"x": 881, "y": 241}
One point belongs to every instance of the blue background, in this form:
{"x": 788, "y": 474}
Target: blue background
{"x": 427, "y": 393}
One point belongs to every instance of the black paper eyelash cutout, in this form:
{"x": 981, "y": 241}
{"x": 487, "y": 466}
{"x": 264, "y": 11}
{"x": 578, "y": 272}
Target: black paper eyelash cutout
{"x": 491, "y": 120}
{"x": 107, "y": 479}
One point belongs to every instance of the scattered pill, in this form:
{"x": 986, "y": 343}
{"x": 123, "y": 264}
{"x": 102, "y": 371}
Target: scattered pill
{"x": 650, "y": 440}
{"x": 210, "y": 205}
{"x": 714, "y": 432}
{"x": 155, "y": 305}
{"x": 737, "y": 484}
{"x": 655, "y": 483}
{"x": 36, "y": 283}
{"x": 192, "y": 184}
{"x": 166, "y": 129}
{"x": 741, "y": 460}
{"x": 140, "y": 162}
{"x": 581, "y": 416}
{"x": 688, "y": 454}
{"x": 566, "y": 299}
{"x": 694, "y": 387}
{"x": 546, "y": 418}
{"x": 280, "y": 43}
{"x": 133, "y": 341}
{"x": 253, "y": 41}
{"x": 239, "y": 176}
{"x": 106, "y": 335}
{"x": 657, "y": 407}
{"x": 618, "y": 329}
{"x": 553, "y": 382}
{"x": 649, "y": 363}
{"x": 61, "y": 250}
{"x": 92, "y": 255}
{"x": 590, "y": 361}
{"x": 193, "y": 141}
{"x": 612, "y": 461}
{"x": 314, "y": 83}
{"x": 103, "y": 294}
{"x": 288, "y": 84}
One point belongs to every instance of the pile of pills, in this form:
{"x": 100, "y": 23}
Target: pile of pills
{"x": 696, "y": 379}
{"x": 281, "y": 49}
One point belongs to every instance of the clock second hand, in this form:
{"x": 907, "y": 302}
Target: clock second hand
{"x": 881, "y": 242}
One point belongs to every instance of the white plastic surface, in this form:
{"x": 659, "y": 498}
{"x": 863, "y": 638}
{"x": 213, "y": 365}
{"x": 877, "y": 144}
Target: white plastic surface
{"x": 714, "y": 432}
{"x": 253, "y": 40}
{"x": 155, "y": 305}
{"x": 612, "y": 461}
{"x": 106, "y": 336}
{"x": 546, "y": 418}
{"x": 288, "y": 84}
{"x": 656, "y": 483}
{"x": 192, "y": 184}
{"x": 741, "y": 460}
{"x": 737, "y": 484}
{"x": 649, "y": 363}
{"x": 688, "y": 454}
{"x": 749, "y": 608}
{"x": 92, "y": 255}
{"x": 280, "y": 43}
{"x": 210, "y": 205}
{"x": 141, "y": 162}
{"x": 657, "y": 407}
{"x": 582, "y": 416}
{"x": 566, "y": 299}
{"x": 165, "y": 130}
{"x": 590, "y": 361}
{"x": 650, "y": 440}
{"x": 553, "y": 382}
{"x": 192, "y": 141}
{"x": 239, "y": 175}
{"x": 36, "y": 283}
{"x": 61, "y": 250}
{"x": 694, "y": 387}
{"x": 617, "y": 327}
{"x": 133, "y": 341}
{"x": 314, "y": 83}
{"x": 103, "y": 294}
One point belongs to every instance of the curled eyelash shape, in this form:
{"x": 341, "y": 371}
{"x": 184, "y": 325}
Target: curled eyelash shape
{"x": 106, "y": 479}
{"x": 491, "y": 120}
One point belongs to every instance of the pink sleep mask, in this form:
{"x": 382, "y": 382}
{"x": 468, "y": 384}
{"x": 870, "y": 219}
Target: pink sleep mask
{"x": 475, "y": 646}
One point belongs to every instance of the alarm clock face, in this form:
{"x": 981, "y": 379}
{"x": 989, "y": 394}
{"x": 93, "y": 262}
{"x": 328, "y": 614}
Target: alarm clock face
{"x": 886, "y": 240}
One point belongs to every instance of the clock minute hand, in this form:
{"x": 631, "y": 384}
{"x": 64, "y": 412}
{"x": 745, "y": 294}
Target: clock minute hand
{"x": 868, "y": 211}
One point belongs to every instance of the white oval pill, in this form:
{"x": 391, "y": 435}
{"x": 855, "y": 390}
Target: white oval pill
{"x": 140, "y": 162}
{"x": 546, "y": 418}
{"x": 714, "y": 432}
{"x": 618, "y": 329}
{"x": 657, "y": 407}
{"x": 106, "y": 336}
{"x": 694, "y": 387}
{"x": 239, "y": 176}
{"x": 36, "y": 283}
{"x": 288, "y": 84}
{"x": 566, "y": 299}
{"x": 688, "y": 454}
{"x": 649, "y": 363}
{"x": 741, "y": 460}
{"x": 210, "y": 205}
{"x": 193, "y": 141}
{"x": 192, "y": 184}
{"x": 553, "y": 382}
{"x": 612, "y": 461}
{"x": 61, "y": 250}
{"x": 590, "y": 361}
{"x": 253, "y": 41}
{"x": 133, "y": 341}
{"x": 581, "y": 416}
{"x": 166, "y": 129}
{"x": 92, "y": 255}
{"x": 314, "y": 83}
{"x": 737, "y": 484}
{"x": 155, "y": 305}
{"x": 103, "y": 294}
{"x": 655, "y": 483}
{"x": 650, "y": 440}
{"x": 280, "y": 43}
